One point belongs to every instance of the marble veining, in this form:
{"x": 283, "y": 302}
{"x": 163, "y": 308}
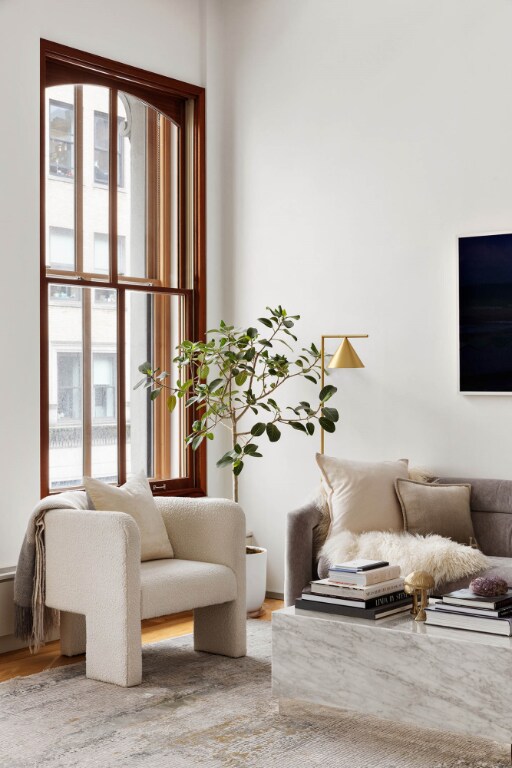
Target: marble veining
{"x": 396, "y": 669}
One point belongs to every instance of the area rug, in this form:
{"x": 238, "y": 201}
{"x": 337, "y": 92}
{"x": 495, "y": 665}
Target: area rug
{"x": 196, "y": 709}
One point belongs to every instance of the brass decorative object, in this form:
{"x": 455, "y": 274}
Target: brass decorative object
{"x": 344, "y": 357}
{"x": 418, "y": 584}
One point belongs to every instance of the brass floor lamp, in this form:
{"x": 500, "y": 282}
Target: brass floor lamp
{"x": 344, "y": 357}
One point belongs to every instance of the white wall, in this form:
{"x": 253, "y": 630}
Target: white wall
{"x": 164, "y": 37}
{"x": 361, "y": 137}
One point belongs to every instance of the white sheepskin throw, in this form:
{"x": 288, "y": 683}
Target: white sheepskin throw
{"x": 444, "y": 559}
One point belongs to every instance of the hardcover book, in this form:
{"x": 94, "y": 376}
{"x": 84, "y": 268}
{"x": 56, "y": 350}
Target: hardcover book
{"x": 468, "y": 598}
{"x": 365, "y": 578}
{"x": 494, "y": 626}
{"x": 354, "y": 566}
{"x": 360, "y": 613}
{"x": 374, "y": 602}
{"x": 355, "y": 591}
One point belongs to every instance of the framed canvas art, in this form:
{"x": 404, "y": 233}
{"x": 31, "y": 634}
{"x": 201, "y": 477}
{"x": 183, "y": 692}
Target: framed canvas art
{"x": 485, "y": 314}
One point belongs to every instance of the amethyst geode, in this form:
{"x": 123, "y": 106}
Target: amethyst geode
{"x": 489, "y": 586}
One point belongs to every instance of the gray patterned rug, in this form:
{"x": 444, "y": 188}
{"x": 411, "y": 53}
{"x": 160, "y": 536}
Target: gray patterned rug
{"x": 195, "y": 709}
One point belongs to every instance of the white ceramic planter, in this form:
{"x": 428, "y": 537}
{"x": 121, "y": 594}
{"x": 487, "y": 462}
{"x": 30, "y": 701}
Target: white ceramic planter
{"x": 256, "y": 565}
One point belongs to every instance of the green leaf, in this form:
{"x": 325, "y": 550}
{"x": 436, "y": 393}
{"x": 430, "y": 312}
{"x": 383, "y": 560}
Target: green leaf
{"x": 215, "y": 384}
{"x": 310, "y": 378}
{"x": 252, "y": 333}
{"x": 196, "y": 442}
{"x": 210, "y": 435}
{"x": 331, "y": 414}
{"x": 288, "y": 323}
{"x": 155, "y": 394}
{"x": 145, "y": 368}
{"x": 310, "y": 427}
{"x": 262, "y": 320}
{"x": 264, "y": 406}
{"x": 203, "y": 372}
{"x": 298, "y": 426}
{"x": 237, "y": 467}
{"x": 273, "y": 433}
{"x": 241, "y": 379}
{"x": 225, "y": 460}
{"x": 250, "y": 449}
{"x": 171, "y": 403}
{"x": 327, "y": 424}
{"x": 327, "y": 392}
{"x": 258, "y": 429}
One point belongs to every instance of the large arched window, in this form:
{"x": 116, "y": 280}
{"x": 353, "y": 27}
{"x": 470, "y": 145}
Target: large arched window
{"x": 122, "y": 269}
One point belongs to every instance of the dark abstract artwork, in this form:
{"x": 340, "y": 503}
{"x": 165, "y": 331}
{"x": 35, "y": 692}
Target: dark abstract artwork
{"x": 485, "y": 313}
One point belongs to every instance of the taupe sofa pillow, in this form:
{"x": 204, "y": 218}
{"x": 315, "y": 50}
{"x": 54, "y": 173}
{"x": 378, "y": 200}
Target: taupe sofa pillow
{"x": 134, "y": 498}
{"x": 442, "y": 509}
{"x": 361, "y": 494}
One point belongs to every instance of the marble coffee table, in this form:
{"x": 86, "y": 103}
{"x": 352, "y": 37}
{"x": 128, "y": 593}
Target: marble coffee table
{"x": 397, "y": 669}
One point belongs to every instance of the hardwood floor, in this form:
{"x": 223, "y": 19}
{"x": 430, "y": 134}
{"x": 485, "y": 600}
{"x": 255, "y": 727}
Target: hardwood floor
{"x": 21, "y": 663}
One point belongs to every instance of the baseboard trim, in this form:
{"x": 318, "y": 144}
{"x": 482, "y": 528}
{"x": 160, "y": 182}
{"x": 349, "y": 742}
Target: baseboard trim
{"x": 275, "y": 595}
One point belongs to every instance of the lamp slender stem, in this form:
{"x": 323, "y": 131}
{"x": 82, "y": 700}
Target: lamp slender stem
{"x": 323, "y": 381}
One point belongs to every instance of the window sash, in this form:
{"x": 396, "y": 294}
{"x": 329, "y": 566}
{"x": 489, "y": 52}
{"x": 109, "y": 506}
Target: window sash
{"x": 62, "y": 65}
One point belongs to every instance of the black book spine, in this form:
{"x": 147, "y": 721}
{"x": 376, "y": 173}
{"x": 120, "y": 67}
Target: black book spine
{"x": 345, "y": 610}
{"x": 374, "y": 602}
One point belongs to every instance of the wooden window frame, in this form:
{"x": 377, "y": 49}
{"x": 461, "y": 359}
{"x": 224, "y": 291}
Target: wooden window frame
{"x": 61, "y": 65}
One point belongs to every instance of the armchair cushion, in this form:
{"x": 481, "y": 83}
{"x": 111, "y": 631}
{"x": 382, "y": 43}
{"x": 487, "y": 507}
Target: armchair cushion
{"x": 134, "y": 498}
{"x": 171, "y": 586}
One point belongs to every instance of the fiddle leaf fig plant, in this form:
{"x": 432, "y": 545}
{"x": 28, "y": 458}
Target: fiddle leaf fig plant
{"x": 233, "y": 380}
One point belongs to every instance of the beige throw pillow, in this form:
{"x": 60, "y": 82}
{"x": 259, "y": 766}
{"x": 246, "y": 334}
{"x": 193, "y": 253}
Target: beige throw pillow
{"x": 134, "y": 498}
{"x": 441, "y": 509}
{"x": 361, "y": 495}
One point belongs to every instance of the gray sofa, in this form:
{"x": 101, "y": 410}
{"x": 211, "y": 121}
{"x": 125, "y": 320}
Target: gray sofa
{"x": 491, "y": 510}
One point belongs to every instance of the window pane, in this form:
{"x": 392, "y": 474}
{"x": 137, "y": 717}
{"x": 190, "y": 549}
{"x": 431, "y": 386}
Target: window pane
{"x": 103, "y": 377}
{"x": 154, "y": 324}
{"x": 60, "y": 173}
{"x": 65, "y": 388}
{"x": 61, "y": 248}
{"x": 148, "y": 194}
{"x": 82, "y": 385}
{"x": 95, "y": 158}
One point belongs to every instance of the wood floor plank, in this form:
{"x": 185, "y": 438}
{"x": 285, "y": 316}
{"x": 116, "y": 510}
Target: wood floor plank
{"x": 21, "y": 663}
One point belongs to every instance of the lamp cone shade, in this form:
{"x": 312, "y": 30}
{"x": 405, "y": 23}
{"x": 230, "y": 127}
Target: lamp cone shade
{"x": 345, "y": 357}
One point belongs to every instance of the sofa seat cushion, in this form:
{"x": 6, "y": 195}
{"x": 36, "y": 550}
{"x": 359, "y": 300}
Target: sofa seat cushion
{"x": 171, "y": 586}
{"x": 499, "y": 566}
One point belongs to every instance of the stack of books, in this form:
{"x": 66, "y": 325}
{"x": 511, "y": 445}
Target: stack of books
{"x": 464, "y": 610}
{"x": 367, "y": 589}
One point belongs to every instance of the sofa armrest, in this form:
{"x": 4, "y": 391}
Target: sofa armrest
{"x": 91, "y": 556}
{"x": 299, "y": 550}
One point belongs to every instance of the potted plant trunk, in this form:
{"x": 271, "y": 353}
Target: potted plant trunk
{"x": 231, "y": 380}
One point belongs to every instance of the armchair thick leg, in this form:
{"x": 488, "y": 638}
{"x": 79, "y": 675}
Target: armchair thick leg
{"x": 114, "y": 653}
{"x": 72, "y": 633}
{"x": 221, "y": 629}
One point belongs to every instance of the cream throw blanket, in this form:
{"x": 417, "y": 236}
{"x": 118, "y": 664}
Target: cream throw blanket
{"x": 33, "y": 619}
{"x": 444, "y": 559}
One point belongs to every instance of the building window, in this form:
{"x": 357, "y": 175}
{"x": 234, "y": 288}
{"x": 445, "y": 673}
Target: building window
{"x": 61, "y": 138}
{"x": 61, "y": 245}
{"x": 122, "y": 269}
{"x": 101, "y": 148}
{"x": 101, "y": 253}
{"x": 69, "y": 383}
{"x": 104, "y": 383}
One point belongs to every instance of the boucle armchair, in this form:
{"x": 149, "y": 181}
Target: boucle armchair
{"x": 95, "y": 578}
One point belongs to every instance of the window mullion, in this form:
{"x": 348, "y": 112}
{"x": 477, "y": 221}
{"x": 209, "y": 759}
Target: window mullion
{"x": 112, "y": 185}
{"x": 79, "y": 179}
{"x": 87, "y": 381}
